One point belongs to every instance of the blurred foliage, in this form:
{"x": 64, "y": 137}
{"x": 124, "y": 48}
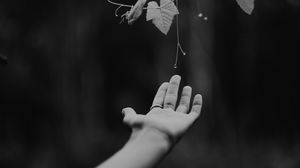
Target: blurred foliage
{"x": 72, "y": 68}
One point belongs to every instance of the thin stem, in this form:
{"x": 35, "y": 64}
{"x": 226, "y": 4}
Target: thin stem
{"x": 119, "y": 4}
{"x": 178, "y": 47}
{"x": 130, "y": 6}
{"x": 116, "y": 11}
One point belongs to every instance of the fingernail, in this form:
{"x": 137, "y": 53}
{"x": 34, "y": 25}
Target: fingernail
{"x": 188, "y": 87}
{"x": 177, "y": 76}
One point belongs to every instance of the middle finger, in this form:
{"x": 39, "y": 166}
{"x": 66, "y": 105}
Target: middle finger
{"x": 172, "y": 92}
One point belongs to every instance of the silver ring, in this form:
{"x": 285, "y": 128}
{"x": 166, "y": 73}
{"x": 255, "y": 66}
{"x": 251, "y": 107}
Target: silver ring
{"x": 155, "y": 106}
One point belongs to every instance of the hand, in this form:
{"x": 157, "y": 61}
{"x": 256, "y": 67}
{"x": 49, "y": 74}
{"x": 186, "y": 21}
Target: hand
{"x": 155, "y": 133}
{"x": 165, "y": 118}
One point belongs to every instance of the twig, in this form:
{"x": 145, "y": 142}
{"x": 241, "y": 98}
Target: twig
{"x": 130, "y": 6}
{"x": 119, "y": 4}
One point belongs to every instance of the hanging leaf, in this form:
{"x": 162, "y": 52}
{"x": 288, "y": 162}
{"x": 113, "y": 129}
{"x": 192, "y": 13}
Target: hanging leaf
{"x": 136, "y": 11}
{"x": 246, "y": 5}
{"x": 162, "y": 16}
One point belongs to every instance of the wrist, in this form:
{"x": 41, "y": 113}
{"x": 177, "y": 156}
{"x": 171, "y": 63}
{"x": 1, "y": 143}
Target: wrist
{"x": 152, "y": 138}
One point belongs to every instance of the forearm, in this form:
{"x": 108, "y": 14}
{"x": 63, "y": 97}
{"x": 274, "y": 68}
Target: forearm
{"x": 143, "y": 151}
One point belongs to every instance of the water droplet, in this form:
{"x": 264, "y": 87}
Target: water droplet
{"x": 200, "y": 15}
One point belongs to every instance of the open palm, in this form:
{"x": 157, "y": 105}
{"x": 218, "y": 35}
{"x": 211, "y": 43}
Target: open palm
{"x": 164, "y": 116}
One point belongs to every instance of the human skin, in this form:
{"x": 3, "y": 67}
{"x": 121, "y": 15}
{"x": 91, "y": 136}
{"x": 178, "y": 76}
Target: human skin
{"x": 154, "y": 134}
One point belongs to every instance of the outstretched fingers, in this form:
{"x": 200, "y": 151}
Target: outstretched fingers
{"x": 196, "y": 107}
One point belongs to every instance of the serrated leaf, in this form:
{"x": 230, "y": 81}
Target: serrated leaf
{"x": 162, "y": 16}
{"x": 136, "y": 11}
{"x": 246, "y": 5}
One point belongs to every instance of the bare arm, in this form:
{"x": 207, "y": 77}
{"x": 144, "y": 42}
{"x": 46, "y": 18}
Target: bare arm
{"x": 154, "y": 134}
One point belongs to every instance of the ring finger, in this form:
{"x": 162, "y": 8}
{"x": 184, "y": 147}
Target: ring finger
{"x": 184, "y": 103}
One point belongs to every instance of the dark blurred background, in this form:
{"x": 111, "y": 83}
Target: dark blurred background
{"x": 72, "y": 67}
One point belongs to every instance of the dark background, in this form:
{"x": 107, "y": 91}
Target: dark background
{"x": 71, "y": 69}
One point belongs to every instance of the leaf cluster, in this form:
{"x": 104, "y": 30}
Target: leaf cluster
{"x": 162, "y": 14}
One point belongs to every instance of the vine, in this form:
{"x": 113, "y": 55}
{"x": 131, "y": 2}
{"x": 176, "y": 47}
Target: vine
{"x": 162, "y": 15}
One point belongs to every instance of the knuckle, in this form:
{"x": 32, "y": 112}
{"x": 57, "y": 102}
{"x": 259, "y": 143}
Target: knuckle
{"x": 185, "y": 94}
{"x": 197, "y": 103}
{"x": 184, "y": 102}
{"x": 169, "y": 105}
{"x": 185, "y": 97}
{"x": 196, "y": 108}
{"x": 182, "y": 108}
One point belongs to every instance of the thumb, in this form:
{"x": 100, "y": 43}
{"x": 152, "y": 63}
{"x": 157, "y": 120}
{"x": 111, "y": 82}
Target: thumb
{"x": 131, "y": 118}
